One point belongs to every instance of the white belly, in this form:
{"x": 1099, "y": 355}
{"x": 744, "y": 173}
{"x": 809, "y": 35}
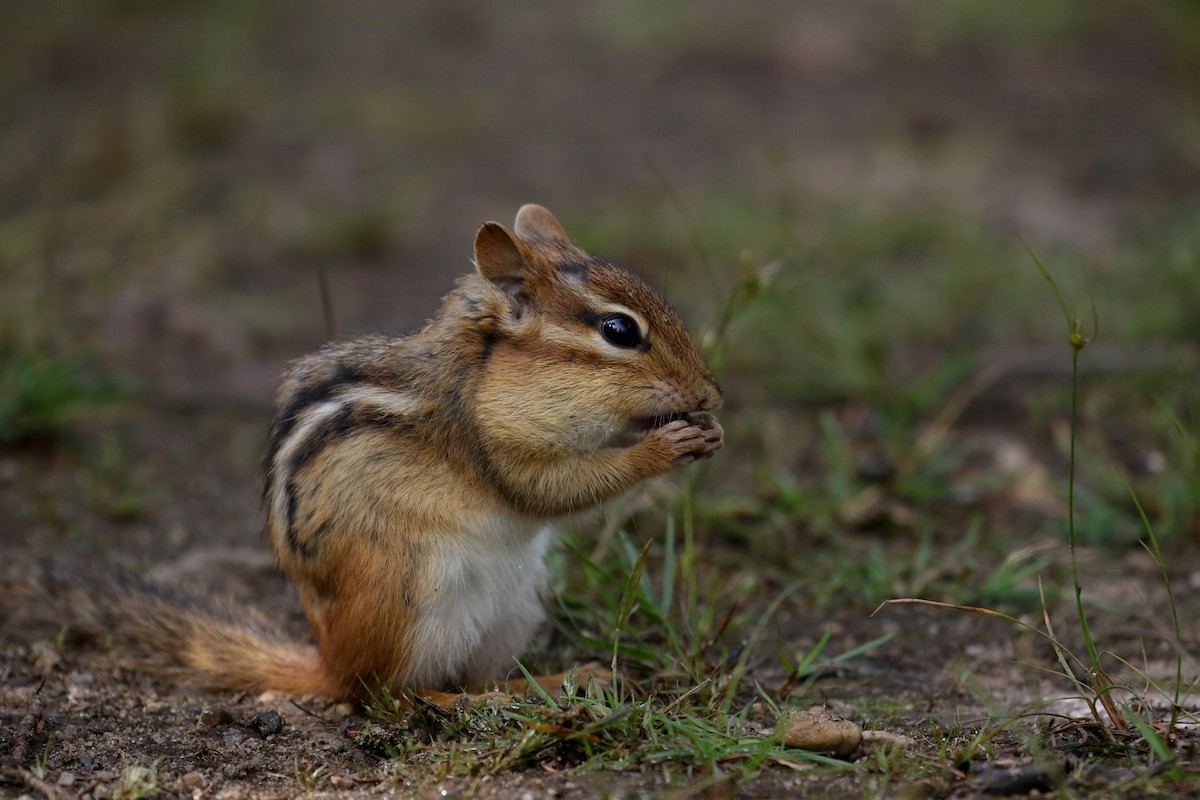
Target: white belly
{"x": 484, "y": 605}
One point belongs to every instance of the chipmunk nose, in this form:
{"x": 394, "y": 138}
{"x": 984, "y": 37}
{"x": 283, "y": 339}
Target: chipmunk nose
{"x": 710, "y": 399}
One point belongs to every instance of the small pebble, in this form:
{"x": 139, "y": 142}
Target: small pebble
{"x": 192, "y": 780}
{"x": 1019, "y": 779}
{"x": 818, "y": 731}
{"x": 266, "y": 723}
{"x": 214, "y": 716}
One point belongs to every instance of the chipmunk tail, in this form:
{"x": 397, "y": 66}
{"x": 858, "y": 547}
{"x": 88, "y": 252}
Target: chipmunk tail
{"x": 189, "y": 639}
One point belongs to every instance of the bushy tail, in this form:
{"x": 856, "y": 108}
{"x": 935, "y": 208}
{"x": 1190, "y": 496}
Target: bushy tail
{"x": 192, "y": 640}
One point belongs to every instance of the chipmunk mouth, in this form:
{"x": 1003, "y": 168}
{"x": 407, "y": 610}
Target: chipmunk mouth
{"x": 646, "y": 424}
{"x": 636, "y": 428}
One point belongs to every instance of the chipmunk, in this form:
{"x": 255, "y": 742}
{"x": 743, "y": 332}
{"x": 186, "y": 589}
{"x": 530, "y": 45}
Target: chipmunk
{"x": 412, "y": 483}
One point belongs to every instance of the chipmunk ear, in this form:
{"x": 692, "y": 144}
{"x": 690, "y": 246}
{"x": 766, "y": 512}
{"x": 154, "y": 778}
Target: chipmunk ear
{"x": 536, "y": 224}
{"x": 500, "y": 257}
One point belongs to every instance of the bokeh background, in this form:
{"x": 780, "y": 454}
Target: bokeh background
{"x": 839, "y": 197}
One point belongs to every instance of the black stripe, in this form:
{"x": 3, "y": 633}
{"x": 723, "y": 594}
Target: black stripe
{"x": 349, "y": 419}
{"x": 489, "y": 343}
{"x": 336, "y": 425}
{"x": 590, "y": 319}
{"x": 285, "y": 421}
{"x": 293, "y": 536}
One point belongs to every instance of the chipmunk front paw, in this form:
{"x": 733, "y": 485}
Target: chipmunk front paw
{"x": 688, "y": 440}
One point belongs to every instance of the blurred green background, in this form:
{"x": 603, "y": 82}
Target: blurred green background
{"x": 835, "y": 194}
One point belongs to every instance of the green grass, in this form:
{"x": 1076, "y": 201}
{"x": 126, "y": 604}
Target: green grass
{"x": 1123, "y": 720}
{"x": 45, "y": 395}
{"x": 600, "y": 729}
{"x": 695, "y": 743}
{"x": 687, "y": 615}
{"x": 681, "y": 701}
{"x": 137, "y": 782}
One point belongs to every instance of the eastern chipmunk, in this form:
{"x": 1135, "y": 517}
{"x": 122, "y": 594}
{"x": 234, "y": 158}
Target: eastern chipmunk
{"x": 411, "y": 482}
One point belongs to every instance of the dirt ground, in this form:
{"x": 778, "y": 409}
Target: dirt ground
{"x": 173, "y": 175}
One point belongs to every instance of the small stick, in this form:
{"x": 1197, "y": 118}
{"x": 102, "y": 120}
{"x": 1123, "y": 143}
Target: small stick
{"x": 326, "y": 303}
{"x": 30, "y": 726}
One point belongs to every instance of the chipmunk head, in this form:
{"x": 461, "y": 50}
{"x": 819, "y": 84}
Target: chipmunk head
{"x": 611, "y": 355}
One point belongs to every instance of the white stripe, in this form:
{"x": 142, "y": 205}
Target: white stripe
{"x": 391, "y": 403}
{"x": 310, "y": 418}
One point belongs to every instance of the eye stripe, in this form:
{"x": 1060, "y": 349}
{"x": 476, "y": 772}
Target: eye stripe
{"x": 592, "y": 317}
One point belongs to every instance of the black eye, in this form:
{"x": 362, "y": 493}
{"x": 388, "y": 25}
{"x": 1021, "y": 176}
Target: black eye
{"x": 620, "y": 330}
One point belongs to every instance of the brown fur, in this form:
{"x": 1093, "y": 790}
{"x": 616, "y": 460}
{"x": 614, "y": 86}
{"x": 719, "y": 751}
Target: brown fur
{"x": 405, "y": 473}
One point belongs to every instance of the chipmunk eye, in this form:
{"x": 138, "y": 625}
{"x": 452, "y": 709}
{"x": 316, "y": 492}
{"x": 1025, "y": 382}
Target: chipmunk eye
{"x": 620, "y": 330}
